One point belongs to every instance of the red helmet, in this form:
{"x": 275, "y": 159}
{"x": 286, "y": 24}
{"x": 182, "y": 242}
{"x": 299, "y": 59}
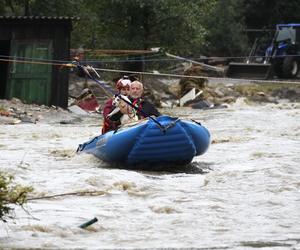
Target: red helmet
{"x": 123, "y": 83}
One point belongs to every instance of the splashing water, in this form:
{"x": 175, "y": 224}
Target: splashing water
{"x": 243, "y": 193}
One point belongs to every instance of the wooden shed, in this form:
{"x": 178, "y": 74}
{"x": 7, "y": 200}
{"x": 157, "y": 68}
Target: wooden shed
{"x": 29, "y": 45}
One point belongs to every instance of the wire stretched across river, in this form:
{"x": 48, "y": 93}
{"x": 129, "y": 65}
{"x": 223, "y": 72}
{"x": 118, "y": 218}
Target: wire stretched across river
{"x": 70, "y": 65}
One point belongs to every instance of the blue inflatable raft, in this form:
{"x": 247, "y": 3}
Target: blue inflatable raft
{"x": 167, "y": 141}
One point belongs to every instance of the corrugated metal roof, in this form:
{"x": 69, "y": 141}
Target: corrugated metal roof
{"x": 64, "y": 18}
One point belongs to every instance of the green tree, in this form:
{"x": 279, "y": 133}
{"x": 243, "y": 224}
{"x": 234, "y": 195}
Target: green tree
{"x": 56, "y": 7}
{"x": 137, "y": 24}
{"x": 225, "y": 26}
{"x": 266, "y": 14}
{"x": 12, "y": 7}
{"x": 189, "y": 28}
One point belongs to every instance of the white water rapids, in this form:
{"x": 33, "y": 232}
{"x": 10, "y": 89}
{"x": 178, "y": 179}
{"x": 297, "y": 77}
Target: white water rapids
{"x": 247, "y": 198}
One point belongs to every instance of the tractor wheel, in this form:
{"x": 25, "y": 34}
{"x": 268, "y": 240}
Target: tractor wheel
{"x": 278, "y": 68}
{"x": 290, "y": 67}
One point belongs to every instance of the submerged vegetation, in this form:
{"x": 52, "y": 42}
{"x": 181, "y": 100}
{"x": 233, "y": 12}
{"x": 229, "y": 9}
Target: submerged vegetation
{"x": 11, "y": 194}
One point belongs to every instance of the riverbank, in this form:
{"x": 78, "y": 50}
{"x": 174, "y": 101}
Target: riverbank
{"x": 162, "y": 93}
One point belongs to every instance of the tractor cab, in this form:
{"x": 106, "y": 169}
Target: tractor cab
{"x": 287, "y": 32}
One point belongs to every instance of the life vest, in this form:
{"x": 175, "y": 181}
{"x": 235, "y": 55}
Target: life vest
{"x": 108, "y": 125}
{"x": 138, "y": 103}
{"x": 105, "y": 127}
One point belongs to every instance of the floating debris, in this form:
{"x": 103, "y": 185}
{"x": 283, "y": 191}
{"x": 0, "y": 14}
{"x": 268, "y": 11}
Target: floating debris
{"x": 88, "y": 223}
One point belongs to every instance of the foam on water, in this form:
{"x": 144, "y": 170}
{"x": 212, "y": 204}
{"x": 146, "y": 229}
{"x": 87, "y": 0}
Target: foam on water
{"x": 243, "y": 193}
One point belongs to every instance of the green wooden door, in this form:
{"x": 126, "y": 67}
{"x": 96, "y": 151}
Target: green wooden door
{"x": 27, "y": 81}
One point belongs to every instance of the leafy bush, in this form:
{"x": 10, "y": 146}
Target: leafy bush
{"x": 11, "y": 194}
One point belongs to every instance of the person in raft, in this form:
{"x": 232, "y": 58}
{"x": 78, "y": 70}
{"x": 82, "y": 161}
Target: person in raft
{"x": 113, "y": 106}
{"x": 136, "y": 96}
{"x": 143, "y": 107}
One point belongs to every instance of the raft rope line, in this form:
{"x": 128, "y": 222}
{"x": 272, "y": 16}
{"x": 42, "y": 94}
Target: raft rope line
{"x": 42, "y": 62}
{"x": 70, "y": 65}
{"x": 173, "y": 59}
{"x": 195, "y": 76}
{"x": 82, "y": 146}
{"x": 149, "y": 60}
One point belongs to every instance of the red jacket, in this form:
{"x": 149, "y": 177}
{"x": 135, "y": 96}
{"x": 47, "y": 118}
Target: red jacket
{"x": 108, "y": 124}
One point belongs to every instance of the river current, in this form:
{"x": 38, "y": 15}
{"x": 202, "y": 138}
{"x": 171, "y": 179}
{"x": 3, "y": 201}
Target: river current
{"x": 246, "y": 194}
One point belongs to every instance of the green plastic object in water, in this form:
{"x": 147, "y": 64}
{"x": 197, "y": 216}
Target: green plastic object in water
{"x": 88, "y": 223}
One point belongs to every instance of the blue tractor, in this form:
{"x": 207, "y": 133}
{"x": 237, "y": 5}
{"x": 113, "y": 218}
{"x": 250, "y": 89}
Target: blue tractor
{"x": 279, "y": 57}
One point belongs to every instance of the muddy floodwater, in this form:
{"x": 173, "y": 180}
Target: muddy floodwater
{"x": 244, "y": 193}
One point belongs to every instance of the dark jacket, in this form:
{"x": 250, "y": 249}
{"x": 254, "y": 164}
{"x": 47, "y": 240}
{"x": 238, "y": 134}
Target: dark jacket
{"x": 144, "y": 109}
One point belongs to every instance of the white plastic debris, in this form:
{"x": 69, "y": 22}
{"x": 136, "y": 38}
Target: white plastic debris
{"x": 77, "y": 110}
{"x": 191, "y": 95}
